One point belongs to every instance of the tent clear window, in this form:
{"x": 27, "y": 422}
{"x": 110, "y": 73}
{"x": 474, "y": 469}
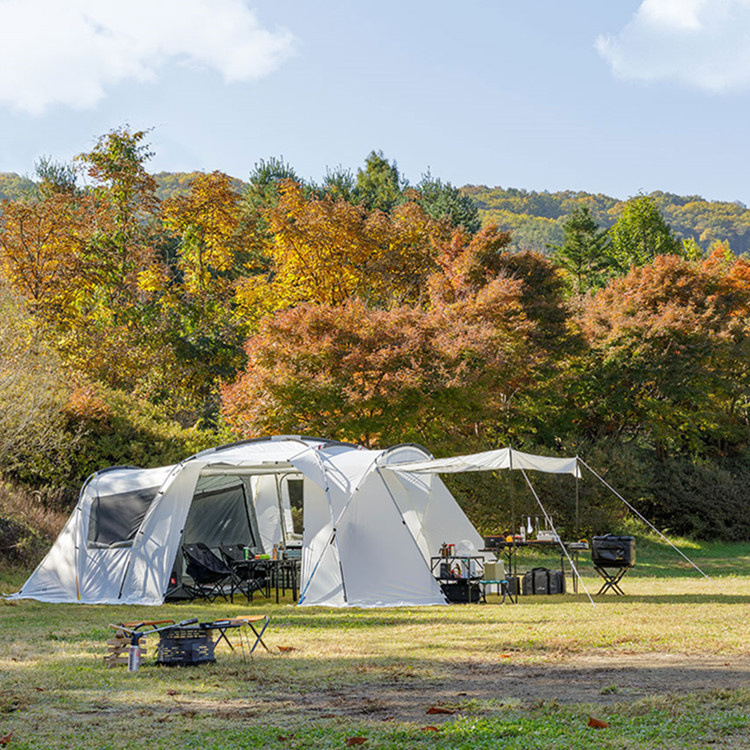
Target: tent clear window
{"x": 115, "y": 519}
{"x": 296, "y": 503}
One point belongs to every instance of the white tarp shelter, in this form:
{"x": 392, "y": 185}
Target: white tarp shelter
{"x": 368, "y": 534}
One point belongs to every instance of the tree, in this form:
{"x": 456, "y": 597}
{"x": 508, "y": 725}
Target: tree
{"x": 327, "y": 251}
{"x": 379, "y": 185}
{"x": 208, "y": 223}
{"x": 641, "y": 233}
{"x": 211, "y": 257}
{"x": 42, "y": 245}
{"x": 583, "y": 254}
{"x": 668, "y": 360}
{"x": 376, "y": 376}
{"x": 442, "y": 201}
{"x": 125, "y": 240}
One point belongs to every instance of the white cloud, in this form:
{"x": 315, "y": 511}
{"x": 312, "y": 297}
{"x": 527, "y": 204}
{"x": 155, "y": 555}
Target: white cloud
{"x": 69, "y": 53}
{"x": 703, "y": 43}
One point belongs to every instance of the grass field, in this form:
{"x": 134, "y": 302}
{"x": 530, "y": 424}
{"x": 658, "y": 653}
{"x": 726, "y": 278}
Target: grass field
{"x": 667, "y": 666}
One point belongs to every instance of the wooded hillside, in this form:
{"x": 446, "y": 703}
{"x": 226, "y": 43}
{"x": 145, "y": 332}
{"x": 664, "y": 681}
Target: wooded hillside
{"x": 536, "y": 218}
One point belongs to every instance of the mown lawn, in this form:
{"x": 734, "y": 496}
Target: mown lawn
{"x": 374, "y": 674}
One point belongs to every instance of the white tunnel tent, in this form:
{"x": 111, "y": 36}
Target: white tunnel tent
{"x": 367, "y": 540}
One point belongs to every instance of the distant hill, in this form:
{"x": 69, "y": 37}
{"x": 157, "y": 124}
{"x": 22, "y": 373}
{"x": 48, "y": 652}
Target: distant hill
{"x": 536, "y": 218}
{"x": 13, "y": 186}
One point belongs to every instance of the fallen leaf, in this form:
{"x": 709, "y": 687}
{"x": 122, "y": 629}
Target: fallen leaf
{"x": 284, "y": 649}
{"x": 430, "y": 729}
{"x": 505, "y": 656}
{"x": 597, "y": 723}
{"x": 5, "y": 739}
{"x": 440, "y": 710}
{"x": 352, "y": 741}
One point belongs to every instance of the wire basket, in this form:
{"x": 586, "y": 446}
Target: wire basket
{"x": 185, "y": 646}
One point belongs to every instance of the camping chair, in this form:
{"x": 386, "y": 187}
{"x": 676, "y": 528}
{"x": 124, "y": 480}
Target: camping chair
{"x": 249, "y": 576}
{"x": 209, "y": 573}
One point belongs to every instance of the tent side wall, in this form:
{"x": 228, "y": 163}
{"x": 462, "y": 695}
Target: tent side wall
{"x": 54, "y": 579}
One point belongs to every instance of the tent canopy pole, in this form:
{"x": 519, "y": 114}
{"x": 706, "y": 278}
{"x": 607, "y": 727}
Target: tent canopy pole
{"x": 548, "y": 519}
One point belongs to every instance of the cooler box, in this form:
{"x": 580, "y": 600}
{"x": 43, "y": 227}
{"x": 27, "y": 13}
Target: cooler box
{"x": 613, "y": 551}
{"x": 494, "y": 571}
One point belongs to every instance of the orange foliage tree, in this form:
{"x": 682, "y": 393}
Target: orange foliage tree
{"x": 670, "y": 343}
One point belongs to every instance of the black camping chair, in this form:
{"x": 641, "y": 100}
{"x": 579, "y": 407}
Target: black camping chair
{"x": 249, "y": 575}
{"x": 210, "y": 574}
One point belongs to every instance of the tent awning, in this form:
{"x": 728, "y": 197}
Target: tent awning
{"x": 504, "y": 458}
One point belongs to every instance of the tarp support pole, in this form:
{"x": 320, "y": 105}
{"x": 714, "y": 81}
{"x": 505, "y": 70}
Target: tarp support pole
{"x": 577, "y": 476}
{"x": 548, "y": 519}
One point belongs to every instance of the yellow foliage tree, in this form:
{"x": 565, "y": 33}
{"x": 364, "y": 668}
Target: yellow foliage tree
{"x": 327, "y": 251}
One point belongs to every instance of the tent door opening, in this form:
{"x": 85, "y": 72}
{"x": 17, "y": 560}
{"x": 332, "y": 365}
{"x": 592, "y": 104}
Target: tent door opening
{"x": 221, "y": 513}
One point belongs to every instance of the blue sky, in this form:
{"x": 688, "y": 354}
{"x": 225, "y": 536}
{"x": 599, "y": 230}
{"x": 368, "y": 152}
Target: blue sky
{"x": 612, "y": 97}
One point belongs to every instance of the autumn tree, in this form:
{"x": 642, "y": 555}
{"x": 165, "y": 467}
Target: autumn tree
{"x": 211, "y": 257}
{"x": 669, "y": 346}
{"x": 375, "y": 376}
{"x": 42, "y": 246}
{"x": 125, "y": 242}
{"x": 326, "y": 251}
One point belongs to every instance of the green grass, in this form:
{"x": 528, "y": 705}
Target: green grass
{"x": 349, "y": 669}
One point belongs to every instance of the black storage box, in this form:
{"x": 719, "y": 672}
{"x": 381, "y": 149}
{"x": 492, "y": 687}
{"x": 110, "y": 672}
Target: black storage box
{"x": 494, "y": 541}
{"x": 613, "y": 551}
{"x": 462, "y": 592}
{"x": 543, "y": 581}
{"x": 182, "y": 646}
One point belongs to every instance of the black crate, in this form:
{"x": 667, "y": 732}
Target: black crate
{"x": 613, "y": 551}
{"x": 462, "y": 592}
{"x": 185, "y": 646}
{"x": 494, "y": 541}
{"x": 543, "y": 581}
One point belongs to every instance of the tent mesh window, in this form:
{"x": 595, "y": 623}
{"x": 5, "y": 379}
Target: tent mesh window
{"x": 220, "y": 516}
{"x": 115, "y": 519}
